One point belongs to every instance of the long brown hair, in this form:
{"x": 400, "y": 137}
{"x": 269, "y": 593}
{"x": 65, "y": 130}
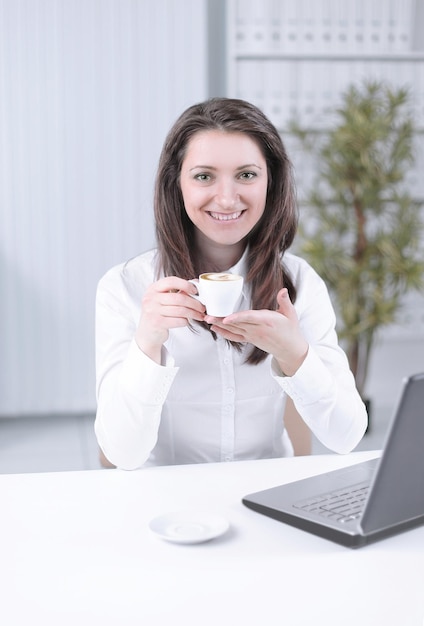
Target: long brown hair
{"x": 272, "y": 235}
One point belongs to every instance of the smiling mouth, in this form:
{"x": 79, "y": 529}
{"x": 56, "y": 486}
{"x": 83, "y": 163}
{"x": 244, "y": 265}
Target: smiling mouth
{"x": 225, "y": 217}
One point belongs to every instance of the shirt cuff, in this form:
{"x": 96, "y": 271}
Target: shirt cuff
{"x": 310, "y": 384}
{"x": 142, "y": 377}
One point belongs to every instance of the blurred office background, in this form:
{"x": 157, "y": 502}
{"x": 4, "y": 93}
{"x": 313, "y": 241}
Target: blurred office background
{"x": 88, "y": 91}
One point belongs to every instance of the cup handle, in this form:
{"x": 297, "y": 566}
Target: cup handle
{"x": 196, "y": 284}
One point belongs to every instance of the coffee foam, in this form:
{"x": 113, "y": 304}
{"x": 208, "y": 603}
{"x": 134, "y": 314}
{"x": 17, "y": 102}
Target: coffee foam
{"x": 221, "y": 277}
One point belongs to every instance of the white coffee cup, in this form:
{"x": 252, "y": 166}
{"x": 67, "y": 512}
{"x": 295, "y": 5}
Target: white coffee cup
{"x": 219, "y": 292}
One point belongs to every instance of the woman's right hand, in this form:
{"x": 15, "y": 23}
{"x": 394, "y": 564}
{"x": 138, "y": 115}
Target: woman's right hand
{"x": 166, "y": 304}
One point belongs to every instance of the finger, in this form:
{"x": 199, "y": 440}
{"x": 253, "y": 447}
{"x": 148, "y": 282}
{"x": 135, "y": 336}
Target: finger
{"x": 244, "y": 318}
{"x": 285, "y": 306}
{"x": 211, "y": 319}
{"x": 228, "y": 334}
{"x": 218, "y": 322}
{"x": 171, "y": 313}
{"x": 180, "y": 298}
{"x": 174, "y": 284}
{"x": 172, "y": 305}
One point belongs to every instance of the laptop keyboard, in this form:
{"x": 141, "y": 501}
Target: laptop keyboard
{"x": 343, "y": 505}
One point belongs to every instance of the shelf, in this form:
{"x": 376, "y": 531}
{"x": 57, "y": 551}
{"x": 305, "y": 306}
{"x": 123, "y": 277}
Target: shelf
{"x": 412, "y": 57}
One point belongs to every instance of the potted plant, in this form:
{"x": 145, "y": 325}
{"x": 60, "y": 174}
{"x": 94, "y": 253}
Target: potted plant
{"x": 362, "y": 230}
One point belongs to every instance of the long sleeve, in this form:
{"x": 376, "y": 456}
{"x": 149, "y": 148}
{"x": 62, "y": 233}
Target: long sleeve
{"x": 323, "y": 389}
{"x": 131, "y": 389}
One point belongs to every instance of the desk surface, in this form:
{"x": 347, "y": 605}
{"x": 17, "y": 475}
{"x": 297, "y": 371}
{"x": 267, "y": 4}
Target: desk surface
{"x": 75, "y": 549}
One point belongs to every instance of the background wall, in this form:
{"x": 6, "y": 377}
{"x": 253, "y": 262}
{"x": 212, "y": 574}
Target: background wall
{"x": 88, "y": 90}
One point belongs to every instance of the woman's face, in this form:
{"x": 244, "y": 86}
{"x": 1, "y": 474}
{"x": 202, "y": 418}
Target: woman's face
{"x": 224, "y": 185}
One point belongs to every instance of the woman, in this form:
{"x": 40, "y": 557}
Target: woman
{"x": 175, "y": 385}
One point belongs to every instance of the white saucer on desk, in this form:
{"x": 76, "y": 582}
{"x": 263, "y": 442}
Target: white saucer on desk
{"x": 189, "y": 526}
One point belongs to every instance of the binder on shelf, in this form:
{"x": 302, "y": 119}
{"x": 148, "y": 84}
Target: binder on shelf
{"x": 359, "y": 32}
{"x": 259, "y": 25}
{"x": 291, "y": 24}
{"x": 401, "y": 20}
{"x": 238, "y": 21}
{"x": 418, "y": 91}
{"x": 275, "y": 90}
{"x": 275, "y": 26}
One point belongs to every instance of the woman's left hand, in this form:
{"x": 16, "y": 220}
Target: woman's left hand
{"x": 276, "y": 332}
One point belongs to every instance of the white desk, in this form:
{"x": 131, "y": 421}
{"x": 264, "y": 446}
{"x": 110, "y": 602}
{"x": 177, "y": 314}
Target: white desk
{"x": 75, "y": 549}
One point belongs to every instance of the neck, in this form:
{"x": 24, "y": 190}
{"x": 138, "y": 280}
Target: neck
{"x": 216, "y": 258}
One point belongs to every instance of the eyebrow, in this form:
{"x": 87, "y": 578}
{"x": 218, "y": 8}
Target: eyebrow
{"x": 210, "y": 167}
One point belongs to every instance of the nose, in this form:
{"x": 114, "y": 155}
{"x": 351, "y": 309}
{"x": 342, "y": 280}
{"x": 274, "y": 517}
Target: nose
{"x": 226, "y": 195}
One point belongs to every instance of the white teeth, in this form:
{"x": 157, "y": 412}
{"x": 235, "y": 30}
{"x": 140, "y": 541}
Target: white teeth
{"x": 226, "y": 217}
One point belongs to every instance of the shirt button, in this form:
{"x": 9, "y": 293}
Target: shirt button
{"x": 230, "y": 390}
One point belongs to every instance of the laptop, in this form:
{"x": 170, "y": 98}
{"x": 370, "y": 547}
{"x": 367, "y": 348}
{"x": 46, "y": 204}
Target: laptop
{"x": 362, "y": 503}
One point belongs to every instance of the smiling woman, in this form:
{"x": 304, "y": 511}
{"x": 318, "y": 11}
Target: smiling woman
{"x": 176, "y": 385}
{"x": 224, "y": 186}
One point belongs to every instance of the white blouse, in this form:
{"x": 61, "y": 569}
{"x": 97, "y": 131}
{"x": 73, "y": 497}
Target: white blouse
{"x": 204, "y": 403}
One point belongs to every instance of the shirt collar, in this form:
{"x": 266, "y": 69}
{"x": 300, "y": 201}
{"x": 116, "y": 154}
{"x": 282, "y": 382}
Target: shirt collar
{"x": 241, "y": 266}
